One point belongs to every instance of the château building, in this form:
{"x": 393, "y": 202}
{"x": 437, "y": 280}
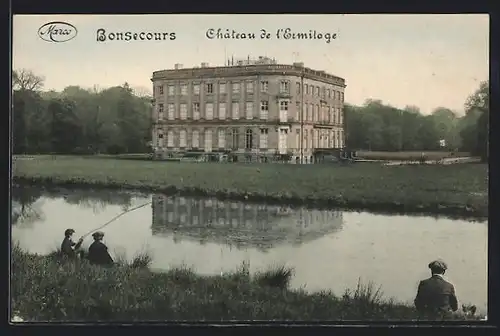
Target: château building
{"x": 250, "y": 110}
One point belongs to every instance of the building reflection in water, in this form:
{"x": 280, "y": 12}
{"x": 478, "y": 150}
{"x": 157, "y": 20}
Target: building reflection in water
{"x": 238, "y": 224}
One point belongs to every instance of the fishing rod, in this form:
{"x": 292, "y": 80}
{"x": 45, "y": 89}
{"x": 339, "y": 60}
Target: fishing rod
{"x": 115, "y": 218}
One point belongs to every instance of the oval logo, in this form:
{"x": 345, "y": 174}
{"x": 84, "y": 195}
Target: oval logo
{"x": 57, "y": 31}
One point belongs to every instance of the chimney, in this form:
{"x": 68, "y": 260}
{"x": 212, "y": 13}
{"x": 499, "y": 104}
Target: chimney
{"x": 204, "y": 65}
{"x": 178, "y": 66}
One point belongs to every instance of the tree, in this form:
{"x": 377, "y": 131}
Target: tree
{"x": 447, "y": 126}
{"x": 65, "y": 130}
{"x": 24, "y": 79}
{"x": 475, "y": 123}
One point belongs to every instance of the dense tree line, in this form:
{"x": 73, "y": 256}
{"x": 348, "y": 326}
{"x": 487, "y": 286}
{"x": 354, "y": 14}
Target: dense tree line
{"x": 118, "y": 120}
{"x": 375, "y": 126}
{"x": 77, "y": 120}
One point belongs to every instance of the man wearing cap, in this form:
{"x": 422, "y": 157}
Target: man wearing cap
{"x": 436, "y": 297}
{"x": 68, "y": 246}
{"x": 98, "y": 251}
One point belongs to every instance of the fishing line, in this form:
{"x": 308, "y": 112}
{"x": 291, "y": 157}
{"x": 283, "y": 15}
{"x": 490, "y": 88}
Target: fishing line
{"x": 115, "y": 218}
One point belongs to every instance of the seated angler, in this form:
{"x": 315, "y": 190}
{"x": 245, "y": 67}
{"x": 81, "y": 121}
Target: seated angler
{"x": 98, "y": 251}
{"x": 68, "y": 246}
{"x": 436, "y": 297}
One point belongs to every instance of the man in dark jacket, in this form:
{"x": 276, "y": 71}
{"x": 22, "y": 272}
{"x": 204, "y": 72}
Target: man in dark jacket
{"x": 436, "y": 297}
{"x": 68, "y": 246}
{"x": 98, "y": 252}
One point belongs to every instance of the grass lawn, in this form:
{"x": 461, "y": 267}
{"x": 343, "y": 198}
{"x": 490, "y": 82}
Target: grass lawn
{"x": 460, "y": 189}
{"x": 45, "y": 288}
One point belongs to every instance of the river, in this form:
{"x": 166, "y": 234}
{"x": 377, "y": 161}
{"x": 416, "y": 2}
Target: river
{"x": 328, "y": 249}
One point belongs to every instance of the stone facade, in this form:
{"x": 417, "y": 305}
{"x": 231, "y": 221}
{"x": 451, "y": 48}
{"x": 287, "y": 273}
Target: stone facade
{"x": 256, "y": 109}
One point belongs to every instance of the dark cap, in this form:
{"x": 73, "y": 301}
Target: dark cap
{"x": 438, "y": 265}
{"x": 98, "y": 234}
{"x": 69, "y": 232}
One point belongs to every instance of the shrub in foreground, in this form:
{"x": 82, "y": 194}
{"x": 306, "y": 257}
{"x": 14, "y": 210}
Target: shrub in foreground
{"x": 50, "y": 289}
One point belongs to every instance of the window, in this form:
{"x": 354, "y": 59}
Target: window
{"x": 306, "y": 112}
{"x": 342, "y": 96}
{"x": 341, "y": 117}
{"x": 236, "y": 110}
{"x": 306, "y": 138}
{"x": 297, "y": 138}
{"x": 306, "y": 88}
{"x": 196, "y": 111}
{"x": 208, "y": 140}
{"x": 222, "y": 139}
{"x": 160, "y": 111}
{"x": 297, "y": 109}
{"x": 283, "y": 105}
{"x": 317, "y": 91}
{"x": 310, "y": 116}
{"x": 264, "y": 109}
{"x": 160, "y": 89}
{"x": 249, "y": 139}
{"x": 236, "y": 87}
{"x": 171, "y": 111}
{"x": 222, "y": 88}
{"x": 196, "y": 89}
{"x": 184, "y": 89}
{"x": 334, "y": 95}
{"x": 328, "y": 93}
{"x": 284, "y": 87}
{"x": 298, "y": 87}
{"x": 249, "y": 87}
{"x": 329, "y": 115}
{"x": 209, "y": 111}
{"x": 195, "y": 141}
{"x": 249, "y": 110}
{"x": 222, "y": 111}
{"x": 170, "y": 139}
{"x": 184, "y": 111}
{"x": 171, "y": 90}
{"x": 263, "y": 138}
{"x": 235, "y": 138}
{"x": 182, "y": 138}
{"x": 317, "y": 113}
{"x": 264, "y": 86}
{"x": 210, "y": 88}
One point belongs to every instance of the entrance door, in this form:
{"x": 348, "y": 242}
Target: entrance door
{"x": 282, "y": 145}
{"x": 208, "y": 140}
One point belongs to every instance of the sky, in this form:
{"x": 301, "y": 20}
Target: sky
{"x": 427, "y": 61}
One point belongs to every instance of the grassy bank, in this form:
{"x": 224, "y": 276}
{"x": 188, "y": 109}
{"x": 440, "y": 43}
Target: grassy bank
{"x": 460, "y": 190}
{"x": 45, "y": 288}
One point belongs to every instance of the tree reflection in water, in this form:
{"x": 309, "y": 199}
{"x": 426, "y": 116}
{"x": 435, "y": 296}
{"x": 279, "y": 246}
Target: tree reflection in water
{"x": 25, "y": 208}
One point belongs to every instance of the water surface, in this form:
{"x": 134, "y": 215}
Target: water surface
{"x": 328, "y": 249}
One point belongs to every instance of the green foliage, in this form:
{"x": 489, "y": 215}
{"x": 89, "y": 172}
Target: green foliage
{"x": 46, "y": 290}
{"x": 80, "y": 121}
{"x": 379, "y": 127}
{"x": 459, "y": 189}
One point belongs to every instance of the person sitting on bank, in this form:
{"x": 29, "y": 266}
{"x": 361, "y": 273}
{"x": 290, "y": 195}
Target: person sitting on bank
{"x": 98, "y": 251}
{"x": 68, "y": 246}
{"x": 435, "y": 296}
